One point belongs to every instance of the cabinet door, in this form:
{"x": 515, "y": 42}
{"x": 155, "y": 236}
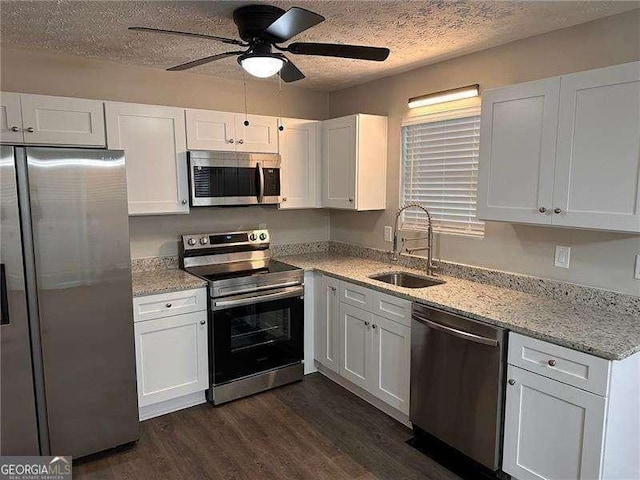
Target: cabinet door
{"x": 153, "y": 139}
{"x": 339, "y": 163}
{"x": 391, "y": 359}
{"x": 327, "y": 325}
{"x": 597, "y": 183}
{"x": 171, "y": 357}
{"x": 260, "y": 136}
{"x": 300, "y": 174}
{"x": 517, "y": 152}
{"x": 62, "y": 121}
{"x": 552, "y": 430}
{"x": 209, "y": 130}
{"x": 10, "y": 118}
{"x": 355, "y": 345}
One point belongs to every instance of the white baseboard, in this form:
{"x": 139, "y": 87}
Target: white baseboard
{"x": 173, "y": 405}
{"x": 397, "y": 415}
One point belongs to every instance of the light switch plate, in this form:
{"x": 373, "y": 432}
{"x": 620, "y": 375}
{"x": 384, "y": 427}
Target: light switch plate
{"x": 636, "y": 274}
{"x": 388, "y": 234}
{"x": 562, "y": 257}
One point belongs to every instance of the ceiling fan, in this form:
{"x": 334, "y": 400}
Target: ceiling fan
{"x": 262, "y": 28}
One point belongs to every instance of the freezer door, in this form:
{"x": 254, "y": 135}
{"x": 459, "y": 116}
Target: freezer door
{"x": 80, "y": 230}
{"x": 19, "y": 433}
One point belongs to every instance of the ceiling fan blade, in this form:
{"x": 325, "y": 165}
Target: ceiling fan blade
{"x": 230, "y": 41}
{"x": 202, "y": 61}
{"x": 290, "y": 73}
{"x": 358, "y": 52}
{"x": 291, "y": 23}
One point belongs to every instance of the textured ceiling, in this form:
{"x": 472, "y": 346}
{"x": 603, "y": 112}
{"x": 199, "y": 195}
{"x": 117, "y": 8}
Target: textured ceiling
{"x": 417, "y": 32}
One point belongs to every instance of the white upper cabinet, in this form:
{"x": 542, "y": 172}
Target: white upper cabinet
{"x": 564, "y": 151}
{"x": 46, "y": 120}
{"x": 354, "y": 162}
{"x": 260, "y": 135}
{"x": 226, "y": 131}
{"x": 10, "y": 118}
{"x": 300, "y": 172}
{"x": 153, "y": 139}
{"x": 598, "y": 159}
{"x": 517, "y": 152}
{"x": 208, "y": 130}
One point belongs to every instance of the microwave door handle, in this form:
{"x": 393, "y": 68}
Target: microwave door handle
{"x": 260, "y": 182}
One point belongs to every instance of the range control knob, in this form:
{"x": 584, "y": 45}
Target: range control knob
{"x": 204, "y": 240}
{"x": 252, "y": 237}
{"x": 263, "y": 236}
{"x": 191, "y": 241}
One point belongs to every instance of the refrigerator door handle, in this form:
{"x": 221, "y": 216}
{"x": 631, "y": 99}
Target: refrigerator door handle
{"x": 4, "y": 301}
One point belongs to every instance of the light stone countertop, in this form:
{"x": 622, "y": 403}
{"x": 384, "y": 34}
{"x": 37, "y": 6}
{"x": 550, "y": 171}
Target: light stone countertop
{"x": 163, "y": 280}
{"x": 599, "y": 332}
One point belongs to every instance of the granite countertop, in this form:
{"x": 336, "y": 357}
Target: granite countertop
{"x": 162, "y": 280}
{"x": 599, "y": 332}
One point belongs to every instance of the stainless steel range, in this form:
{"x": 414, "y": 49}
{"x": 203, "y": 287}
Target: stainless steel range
{"x": 256, "y": 312}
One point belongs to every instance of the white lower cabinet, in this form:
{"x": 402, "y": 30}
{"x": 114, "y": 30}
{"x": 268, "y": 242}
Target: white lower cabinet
{"x": 552, "y": 430}
{"x": 171, "y": 357}
{"x": 367, "y": 349}
{"x": 570, "y": 415}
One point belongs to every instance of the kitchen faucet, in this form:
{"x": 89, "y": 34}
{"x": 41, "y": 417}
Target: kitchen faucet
{"x": 395, "y": 254}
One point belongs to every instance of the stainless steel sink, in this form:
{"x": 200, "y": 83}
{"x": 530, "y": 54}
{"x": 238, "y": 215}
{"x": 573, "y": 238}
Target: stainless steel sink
{"x": 407, "y": 280}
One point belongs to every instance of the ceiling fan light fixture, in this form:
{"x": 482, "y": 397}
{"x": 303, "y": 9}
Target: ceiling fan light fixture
{"x": 261, "y": 66}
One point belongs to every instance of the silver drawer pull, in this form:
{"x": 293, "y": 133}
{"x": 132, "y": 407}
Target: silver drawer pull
{"x": 202, "y": 322}
{"x": 168, "y": 305}
{"x": 512, "y": 381}
{"x": 552, "y": 363}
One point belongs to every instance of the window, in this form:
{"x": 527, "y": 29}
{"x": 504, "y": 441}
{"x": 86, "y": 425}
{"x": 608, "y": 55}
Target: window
{"x": 440, "y": 171}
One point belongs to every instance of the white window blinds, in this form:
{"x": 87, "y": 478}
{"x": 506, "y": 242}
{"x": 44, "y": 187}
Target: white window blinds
{"x": 440, "y": 171}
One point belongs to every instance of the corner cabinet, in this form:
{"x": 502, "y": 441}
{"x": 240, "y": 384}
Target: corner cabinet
{"x": 299, "y": 143}
{"x": 569, "y": 414}
{"x": 226, "y": 131}
{"x": 563, "y": 151}
{"x": 48, "y": 120}
{"x": 153, "y": 139}
{"x": 354, "y": 162}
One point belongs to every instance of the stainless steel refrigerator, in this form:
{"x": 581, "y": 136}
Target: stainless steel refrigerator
{"x": 67, "y": 372}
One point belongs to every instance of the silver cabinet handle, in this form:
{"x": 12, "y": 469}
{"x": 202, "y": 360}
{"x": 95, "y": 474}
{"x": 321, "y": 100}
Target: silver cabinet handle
{"x": 14, "y": 129}
{"x": 512, "y": 381}
{"x": 552, "y": 363}
{"x": 184, "y": 202}
{"x": 542, "y": 210}
{"x": 333, "y": 289}
{"x": 557, "y": 210}
{"x": 202, "y": 322}
{"x": 31, "y": 130}
{"x": 284, "y": 199}
{"x": 230, "y": 140}
{"x": 168, "y": 305}
{"x": 240, "y": 141}
{"x": 351, "y": 200}
{"x": 366, "y": 324}
{"x": 374, "y": 326}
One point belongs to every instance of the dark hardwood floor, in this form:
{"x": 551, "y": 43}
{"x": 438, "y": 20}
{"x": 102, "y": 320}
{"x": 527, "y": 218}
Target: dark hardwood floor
{"x": 312, "y": 429}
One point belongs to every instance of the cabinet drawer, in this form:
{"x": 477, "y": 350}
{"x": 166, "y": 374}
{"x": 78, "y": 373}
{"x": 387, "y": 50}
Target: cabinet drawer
{"x": 392, "y": 308}
{"x": 357, "y": 296}
{"x": 559, "y": 363}
{"x": 168, "y": 304}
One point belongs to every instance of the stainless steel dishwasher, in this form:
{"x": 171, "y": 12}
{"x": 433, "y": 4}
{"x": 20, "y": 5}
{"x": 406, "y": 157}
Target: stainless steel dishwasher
{"x": 457, "y": 382}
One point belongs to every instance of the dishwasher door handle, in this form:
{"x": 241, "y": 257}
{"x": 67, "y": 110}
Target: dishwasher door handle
{"x": 472, "y": 337}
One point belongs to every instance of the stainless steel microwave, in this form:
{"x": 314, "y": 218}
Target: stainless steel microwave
{"x": 230, "y": 178}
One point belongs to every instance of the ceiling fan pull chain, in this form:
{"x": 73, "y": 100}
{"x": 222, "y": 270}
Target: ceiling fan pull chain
{"x": 244, "y": 86}
{"x": 280, "y": 126}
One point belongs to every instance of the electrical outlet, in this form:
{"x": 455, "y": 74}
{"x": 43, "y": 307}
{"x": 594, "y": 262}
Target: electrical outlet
{"x": 562, "y": 257}
{"x": 636, "y": 274}
{"x": 388, "y": 234}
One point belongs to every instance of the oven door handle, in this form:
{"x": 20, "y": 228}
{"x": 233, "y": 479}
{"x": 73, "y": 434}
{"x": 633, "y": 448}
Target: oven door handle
{"x": 260, "y": 182}
{"x": 240, "y": 300}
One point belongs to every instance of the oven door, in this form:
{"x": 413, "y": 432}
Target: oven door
{"x": 253, "y": 333}
{"x": 215, "y": 182}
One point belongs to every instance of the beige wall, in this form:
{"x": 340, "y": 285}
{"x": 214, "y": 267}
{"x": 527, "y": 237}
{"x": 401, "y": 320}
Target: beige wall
{"x": 597, "y": 258}
{"x": 66, "y": 75}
